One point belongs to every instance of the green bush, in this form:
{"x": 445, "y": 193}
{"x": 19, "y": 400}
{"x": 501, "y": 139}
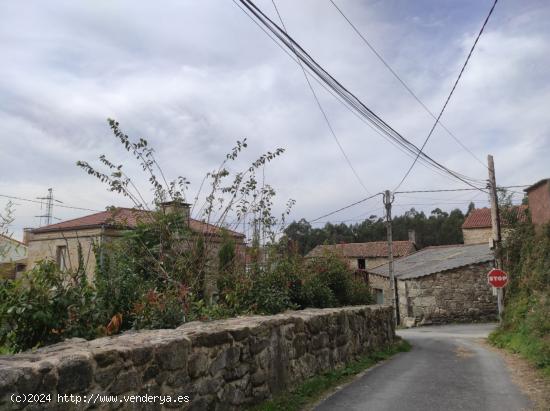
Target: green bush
{"x": 525, "y": 328}
{"x": 46, "y": 306}
{"x": 316, "y": 293}
{"x": 334, "y": 272}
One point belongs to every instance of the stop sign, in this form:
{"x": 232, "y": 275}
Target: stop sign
{"x": 497, "y": 278}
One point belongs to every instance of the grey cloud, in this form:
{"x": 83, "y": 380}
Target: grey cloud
{"x": 193, "y": 77}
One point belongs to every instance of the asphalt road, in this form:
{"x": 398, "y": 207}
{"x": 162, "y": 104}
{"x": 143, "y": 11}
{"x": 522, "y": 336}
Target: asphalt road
{"x": 445, "y": 370}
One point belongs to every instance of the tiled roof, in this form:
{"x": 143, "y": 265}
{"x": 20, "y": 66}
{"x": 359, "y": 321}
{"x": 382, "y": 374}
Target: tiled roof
{"x": 364, "y": 250}
{"x": 481, "y": 217}
{"x": 436, "y": 259}
{"x": 127, "y": 218}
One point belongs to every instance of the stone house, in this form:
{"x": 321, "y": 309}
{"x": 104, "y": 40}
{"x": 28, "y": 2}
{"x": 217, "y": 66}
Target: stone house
{"x": 477, "y": 227}
{"x": 60, "y": 241}
{"x": 13, "y": 255}
{"x": 441, "y": 284}
{"x": 362, "y": 256}
{"x": 539, "y": 202}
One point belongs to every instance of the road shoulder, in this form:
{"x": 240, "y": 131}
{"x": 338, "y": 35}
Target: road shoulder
{"x": 525, "y": 376}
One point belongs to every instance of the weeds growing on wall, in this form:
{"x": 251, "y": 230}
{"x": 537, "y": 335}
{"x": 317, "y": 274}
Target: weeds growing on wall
{"x": 526, "y": 324}
{"x": 163, "y": 272}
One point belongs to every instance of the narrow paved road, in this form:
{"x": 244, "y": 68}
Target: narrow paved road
{"x": 446, "y": 370}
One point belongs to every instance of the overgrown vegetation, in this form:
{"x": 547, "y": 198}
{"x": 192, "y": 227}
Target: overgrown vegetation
{"x": 314, "y": 388}
{"x": 165, "y": 271}
{"x": 526, "y": 323}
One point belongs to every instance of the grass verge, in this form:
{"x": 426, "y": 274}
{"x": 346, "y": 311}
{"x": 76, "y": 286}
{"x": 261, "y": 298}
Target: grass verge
{"x": 526, "y": 330}
{"x": 314, "y": 388}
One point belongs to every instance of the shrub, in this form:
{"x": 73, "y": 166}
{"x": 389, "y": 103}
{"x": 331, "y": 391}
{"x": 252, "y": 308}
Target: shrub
{"x": 270, "y": 293}
{"x": 316, "y": 293}
{"x": 166, "y": 309}
{"x": 46, "y": 306}
{"x": 334, "y": 272}
{"x": 526, "y": 322}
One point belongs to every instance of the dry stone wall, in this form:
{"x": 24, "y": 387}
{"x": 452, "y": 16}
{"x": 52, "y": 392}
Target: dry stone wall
{"x": 220, "y": 365}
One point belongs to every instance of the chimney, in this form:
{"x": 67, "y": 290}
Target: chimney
{"x": 177, "y": 206}
{"x": 412, "y": 236}
{"x": 27, "y": 235}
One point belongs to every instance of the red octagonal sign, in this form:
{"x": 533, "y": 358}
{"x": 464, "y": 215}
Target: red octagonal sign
{"x": 497, "y": 278}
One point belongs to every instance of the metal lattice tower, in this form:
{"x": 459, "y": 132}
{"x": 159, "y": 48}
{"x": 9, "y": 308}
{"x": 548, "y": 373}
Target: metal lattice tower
{"x": 49, "y": 207}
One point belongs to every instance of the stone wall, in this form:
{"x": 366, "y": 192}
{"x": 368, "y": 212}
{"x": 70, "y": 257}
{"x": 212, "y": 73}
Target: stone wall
{"x": 226, "y": 364}
{"x": 459, "y": 295}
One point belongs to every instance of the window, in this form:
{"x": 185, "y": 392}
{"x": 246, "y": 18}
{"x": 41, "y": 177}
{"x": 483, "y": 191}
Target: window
{"x": 379, "y": 294}
{"x": 361, "y": 263}
{"x": 61, "y": 257}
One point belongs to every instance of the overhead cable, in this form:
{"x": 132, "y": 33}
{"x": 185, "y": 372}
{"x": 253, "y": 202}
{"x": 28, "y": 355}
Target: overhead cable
{"x": 448, "y": 97}
{"x": 346, "y": 207}
{"x": 333, "y": 94}
{"x": 323, "y": 112}
{"x": 409, "y": 90}
{"x": 40, "y": 202}
{"x": 350, "y": 99}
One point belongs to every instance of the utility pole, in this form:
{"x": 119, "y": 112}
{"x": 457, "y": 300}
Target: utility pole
{"x": 387, "y": 203}
{"x": 495, "y": 224}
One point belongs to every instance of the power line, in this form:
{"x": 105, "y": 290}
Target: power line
{"x": 346, "y": 207}
{"x": 350, "y": 99}
{"x": 40, "y": 202}
{"x": 405, "y": 85}
{"x": 322, "y": 109}
{"x": 449, "y": 96}
{"x": 409, "y": 192}
{"x": 450, "y": 189}
{"x": 333, "y": 94}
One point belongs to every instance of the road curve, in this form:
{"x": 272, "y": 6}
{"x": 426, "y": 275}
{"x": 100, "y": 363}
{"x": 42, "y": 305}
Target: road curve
{"x": 447, "y": 369}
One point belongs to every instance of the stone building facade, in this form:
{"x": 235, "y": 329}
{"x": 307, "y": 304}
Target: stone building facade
{"x": 380, "y": 287}
{"x": 481, "y": 235}
{"x": 458, "y": 295}
{"x": 363, "y": 256}
{"x": 477, "y": 227}
{"x": 441, "y": 284}
{"x": 13, "y": 256}
{"x": 60, "y": 242}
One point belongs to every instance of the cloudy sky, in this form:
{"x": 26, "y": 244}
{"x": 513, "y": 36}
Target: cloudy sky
{"x": 195, "y": 76}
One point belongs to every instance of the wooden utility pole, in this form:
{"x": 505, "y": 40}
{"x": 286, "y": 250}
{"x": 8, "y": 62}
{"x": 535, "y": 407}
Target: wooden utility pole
{"x": 495, "y": 224}
{"x": 387, "y": 204}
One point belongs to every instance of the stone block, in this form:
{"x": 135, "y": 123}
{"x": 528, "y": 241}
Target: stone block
{"x": 198, "y": 364}
{"x": 126, "y": 381}
{"x": 172, "y": 355}
{"x": 75, "y": 375}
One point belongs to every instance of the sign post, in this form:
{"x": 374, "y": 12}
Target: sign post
{"x": 498, "y": 279}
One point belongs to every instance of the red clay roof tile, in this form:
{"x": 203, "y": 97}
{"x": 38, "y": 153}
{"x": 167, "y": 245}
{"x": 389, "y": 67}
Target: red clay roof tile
{"x": 481, "y": 217}
{"x": 365, "y": 250}
{"x": 127, "y": 218}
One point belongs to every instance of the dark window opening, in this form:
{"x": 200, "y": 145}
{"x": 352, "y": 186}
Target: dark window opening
{"x": 361, "y": 263}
